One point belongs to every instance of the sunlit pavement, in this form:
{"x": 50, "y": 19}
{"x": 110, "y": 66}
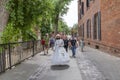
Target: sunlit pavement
{"x": 40, "y": 68}
{"x": 97, "y": 65}
{"x": 88, "y": 70}
{"x": 91, "y": 64}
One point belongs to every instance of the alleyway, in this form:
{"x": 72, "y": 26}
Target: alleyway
{"x": 40, "y": 68}
{"x": 89, "y": 65}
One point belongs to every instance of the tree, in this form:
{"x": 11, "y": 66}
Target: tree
{"x": 25, "y": 16}
{"x": 45, "y": 19}
{"x": 63, "y": 27}
{"x": 74, "y": 30}
{"x": 60, "y": 8}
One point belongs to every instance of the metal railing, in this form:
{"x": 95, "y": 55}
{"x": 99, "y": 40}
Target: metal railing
{"x": 12, "y": 54}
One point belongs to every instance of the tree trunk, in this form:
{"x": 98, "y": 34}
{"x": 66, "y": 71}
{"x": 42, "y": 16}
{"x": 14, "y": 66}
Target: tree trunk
{"x": 3, "y": 15}
{"x": 56, "y": 23}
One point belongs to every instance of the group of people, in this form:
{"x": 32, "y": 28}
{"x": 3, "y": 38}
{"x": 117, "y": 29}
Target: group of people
{"x": 60, "y": 45}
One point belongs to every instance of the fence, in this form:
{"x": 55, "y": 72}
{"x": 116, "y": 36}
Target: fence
{"x": 12, "y": 54}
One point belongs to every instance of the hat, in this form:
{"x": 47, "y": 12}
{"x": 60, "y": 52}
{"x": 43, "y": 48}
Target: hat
{"x": 58, "y": 35}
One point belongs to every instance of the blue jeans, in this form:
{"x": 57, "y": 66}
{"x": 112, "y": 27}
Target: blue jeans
{"x": 73, "y": 50}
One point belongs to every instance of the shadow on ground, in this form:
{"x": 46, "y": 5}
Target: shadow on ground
{"x": 45, "y": 54}
{"x": 59, "y": 67}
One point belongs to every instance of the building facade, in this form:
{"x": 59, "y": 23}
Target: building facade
{"x": 99, "y": 24}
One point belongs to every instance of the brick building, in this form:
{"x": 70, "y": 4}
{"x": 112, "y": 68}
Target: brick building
{"x": 99, "y": 24}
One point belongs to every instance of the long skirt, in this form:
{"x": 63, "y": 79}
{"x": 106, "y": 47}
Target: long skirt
{"x": 60, "y": 56}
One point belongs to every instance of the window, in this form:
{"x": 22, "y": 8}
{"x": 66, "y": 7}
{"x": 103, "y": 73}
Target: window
{"x": 83, "y": 30}
{"x": 80, "y": 14}
{"x": 88, "y": 3}
{"x": 82, "y": 8}
{"x": 88, "y": 28}
{"x": 80, "y": 31}
{"x": 97, "y": 26}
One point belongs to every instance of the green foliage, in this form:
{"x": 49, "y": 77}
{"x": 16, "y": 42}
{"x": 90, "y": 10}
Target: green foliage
{"x": 45, "y": 29}
{"x": 74, "y": 30}
{"x": 45, "y": 18}
{"x": 22, "y": 15}
{"x": 26, "y": 15}
{"x": 10, "y": 34}
{"x": 60, "y": 8}
{"x": 63, "y": 27}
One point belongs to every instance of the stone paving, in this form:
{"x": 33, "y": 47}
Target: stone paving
{"x": 108, "y": 65}
{"x": 88, "y": 70}
{"x": 91, "y": 64}
{"x": 97, "y": 65}
{"x": 69, "y": 71}
{"x": 40, "y": 68}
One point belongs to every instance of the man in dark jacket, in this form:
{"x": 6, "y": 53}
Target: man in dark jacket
{"x": 73, "y": 46}
{"x": 65, "y": 43}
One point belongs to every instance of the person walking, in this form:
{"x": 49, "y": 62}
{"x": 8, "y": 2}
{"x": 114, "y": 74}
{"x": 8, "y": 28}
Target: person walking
{"x": 82, "y": 44}
{"x": 60, "y": 56}
{"x": 73, "y": 46}
{"x": 65, "y": 43}
{"x": 52, "y": 42}
{"x": 43, "y": 44}
{"x": 46, "y": 43}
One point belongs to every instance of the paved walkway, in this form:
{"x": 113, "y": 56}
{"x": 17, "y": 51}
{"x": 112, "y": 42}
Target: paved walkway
{"x": 108, "y": 66}
{"x": 97, "y": 65}
{"x": 89, "y": 71}
{"x": 40, "y": 68}
{"x": 91, "y": 64}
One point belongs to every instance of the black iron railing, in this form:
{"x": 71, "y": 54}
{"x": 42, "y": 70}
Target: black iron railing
{"x": 12, "y": 54}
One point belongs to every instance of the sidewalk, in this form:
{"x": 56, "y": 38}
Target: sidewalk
{"x": 97, "y": 65}
{"x": 40, "y": 68}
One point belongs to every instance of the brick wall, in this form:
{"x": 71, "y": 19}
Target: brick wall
{"x": 110, "y": 22}
{"x": 110, "y": 25}
{"x": 89, "y": 13}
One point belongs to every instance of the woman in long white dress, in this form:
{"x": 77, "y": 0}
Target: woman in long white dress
{"x": 60, "y": 56}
